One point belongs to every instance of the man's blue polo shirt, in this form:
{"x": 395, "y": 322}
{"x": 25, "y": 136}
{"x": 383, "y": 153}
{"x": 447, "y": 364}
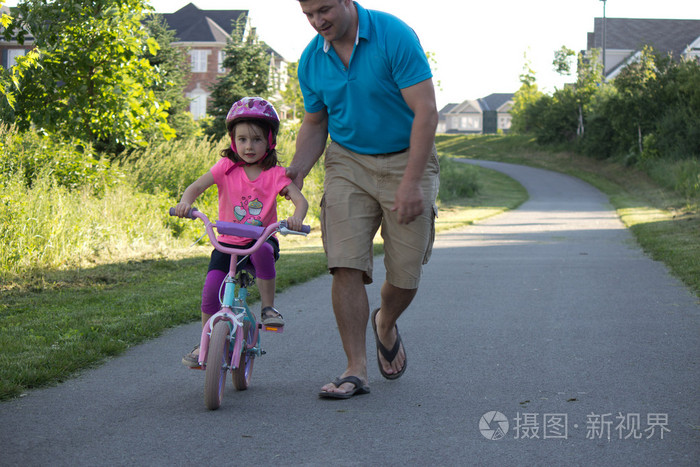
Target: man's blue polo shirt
{"x": 366, "y": 111}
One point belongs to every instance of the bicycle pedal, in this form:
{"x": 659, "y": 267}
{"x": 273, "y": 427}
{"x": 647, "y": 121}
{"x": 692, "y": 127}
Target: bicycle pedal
{"x": 272, "y": 328}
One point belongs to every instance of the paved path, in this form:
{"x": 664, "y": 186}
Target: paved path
{"x": 549, "y": 315}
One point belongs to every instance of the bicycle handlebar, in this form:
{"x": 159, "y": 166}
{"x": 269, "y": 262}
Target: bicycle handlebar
{"x": 241, "y": 230}
{"x": 189, "y": 215}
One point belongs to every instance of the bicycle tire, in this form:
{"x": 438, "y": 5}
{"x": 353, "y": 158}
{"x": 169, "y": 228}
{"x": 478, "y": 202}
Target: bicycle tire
{"x": 217, "y": 365}
{"x": 241, "y": 375}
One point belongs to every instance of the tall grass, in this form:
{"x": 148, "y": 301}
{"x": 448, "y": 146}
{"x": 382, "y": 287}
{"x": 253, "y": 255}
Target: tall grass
{"x": 50, "y": 226}
{"x": 683, "y": 176}
{"x": 457, "y": 181}
{"x": 80, "y": 210}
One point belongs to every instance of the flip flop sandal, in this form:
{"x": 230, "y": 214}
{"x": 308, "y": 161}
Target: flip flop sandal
{"x": 389, "y": 355}
{"x": 357, "y": 390}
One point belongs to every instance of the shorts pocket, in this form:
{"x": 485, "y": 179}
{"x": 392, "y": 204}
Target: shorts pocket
{"x": 322, "y": 221}
{"x": 429, "y": 247}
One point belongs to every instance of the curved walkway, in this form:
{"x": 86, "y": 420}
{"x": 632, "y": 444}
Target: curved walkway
{"x": 547, "y": 322}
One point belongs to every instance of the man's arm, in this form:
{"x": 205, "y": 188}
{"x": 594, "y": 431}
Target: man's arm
{"x": 409, "y": 196}
{"x": 311, "y": 142}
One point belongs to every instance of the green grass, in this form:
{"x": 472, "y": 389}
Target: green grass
{"x": 660, "y": 213}
{"x": 54, "y": 323}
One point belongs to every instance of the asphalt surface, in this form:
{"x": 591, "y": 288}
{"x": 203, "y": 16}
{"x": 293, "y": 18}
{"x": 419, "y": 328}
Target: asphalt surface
{"x": 547, "y": 322}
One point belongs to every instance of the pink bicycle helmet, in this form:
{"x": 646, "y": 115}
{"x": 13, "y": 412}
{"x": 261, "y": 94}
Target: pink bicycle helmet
{"x": 253, "y": 108}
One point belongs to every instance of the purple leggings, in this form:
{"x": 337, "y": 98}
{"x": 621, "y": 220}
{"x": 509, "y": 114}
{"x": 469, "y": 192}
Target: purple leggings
{"x": 262, "y": 260}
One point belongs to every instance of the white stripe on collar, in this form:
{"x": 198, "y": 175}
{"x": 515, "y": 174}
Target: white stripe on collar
{"x": 327, "y": 44}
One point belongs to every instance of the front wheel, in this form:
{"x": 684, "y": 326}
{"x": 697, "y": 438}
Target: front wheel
{"x": 242, "y": 374}
{"x": 217, "y": 364}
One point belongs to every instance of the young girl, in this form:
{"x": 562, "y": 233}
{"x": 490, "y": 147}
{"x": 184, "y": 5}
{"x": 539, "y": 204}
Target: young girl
{"x": 248, "y": 179}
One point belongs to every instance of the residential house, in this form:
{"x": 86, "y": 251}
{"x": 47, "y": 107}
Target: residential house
{"x": 626, "y": 37}
{"x": 10, "y": 50}
{"x": 489, "y": 114}
{"x": 204, "y": 34}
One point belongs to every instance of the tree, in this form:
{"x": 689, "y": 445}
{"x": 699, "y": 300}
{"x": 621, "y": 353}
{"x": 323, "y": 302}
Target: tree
{"x": 10, "y": 78}
{"x": 635, "y": 83}
{"x": 292, "y": 95}
{"x": 563, "y": 60}
{"x": 248, "y": 69}
{"x": 172, "y": 67}
{"x": 524, "y": 98}
{"x": 93, "y": 82}
{"x": 589, "y": 77}
{"x": 677, "y": 127}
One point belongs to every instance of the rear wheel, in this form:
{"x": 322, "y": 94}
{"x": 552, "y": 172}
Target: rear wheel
{"x": 242, "y": 374}
{"x": 217, "y": 364}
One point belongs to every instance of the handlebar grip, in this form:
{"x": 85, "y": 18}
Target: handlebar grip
{"x": 304, "y": 228}
{"x": 189, "y": 215}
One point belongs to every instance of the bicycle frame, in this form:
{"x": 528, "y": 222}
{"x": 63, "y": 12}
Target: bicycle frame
{"x": 234, "y": 306}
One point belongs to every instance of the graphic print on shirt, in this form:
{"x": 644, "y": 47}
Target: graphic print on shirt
{"x": 248, "y": 212}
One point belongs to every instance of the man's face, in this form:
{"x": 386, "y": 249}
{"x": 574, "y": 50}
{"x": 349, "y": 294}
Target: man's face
{"x": 330, "y": 18}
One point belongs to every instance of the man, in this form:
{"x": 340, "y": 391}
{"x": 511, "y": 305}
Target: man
{"x": 366, "y": 81}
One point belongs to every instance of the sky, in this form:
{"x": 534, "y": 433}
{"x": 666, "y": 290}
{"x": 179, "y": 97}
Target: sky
{"x": 479, "y": 46}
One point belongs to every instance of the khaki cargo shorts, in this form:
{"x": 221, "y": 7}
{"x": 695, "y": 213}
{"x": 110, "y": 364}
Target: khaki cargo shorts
{"x": 358, "y": 197}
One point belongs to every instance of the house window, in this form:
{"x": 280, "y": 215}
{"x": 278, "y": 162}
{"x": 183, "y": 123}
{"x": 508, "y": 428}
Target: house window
{"x": 199, "y": 60}
{"x": 198, "y": 102}
{"x": 198, "y": 106}
{"x": 470, "y": 123}
{"x": 221, "y": 68}
{"x": 12, "y": 55}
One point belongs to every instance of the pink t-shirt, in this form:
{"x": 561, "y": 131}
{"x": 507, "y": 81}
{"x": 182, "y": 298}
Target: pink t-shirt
{"x": 247, "y": 201}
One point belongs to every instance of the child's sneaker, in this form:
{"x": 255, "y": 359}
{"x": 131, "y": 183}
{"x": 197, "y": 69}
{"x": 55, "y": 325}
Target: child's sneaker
{"x": 192, "y": 359}
{"x": 271, "y": 317}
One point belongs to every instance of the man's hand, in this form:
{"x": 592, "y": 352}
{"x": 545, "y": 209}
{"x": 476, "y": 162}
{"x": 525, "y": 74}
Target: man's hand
{"x": 408, "y": 202}
{"x": 297, "y": 178}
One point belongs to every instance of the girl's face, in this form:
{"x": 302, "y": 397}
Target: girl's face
{"x": 251, "y": 144}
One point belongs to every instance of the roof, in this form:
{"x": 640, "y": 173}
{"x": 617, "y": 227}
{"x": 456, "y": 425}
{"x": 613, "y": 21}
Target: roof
{"x": 194, "y": 25}
{"x": 446, "y": 109}
{"x": 495, "y": 101}
{"x": 491, "y": 102}
{"x": 468, "y": 106}
{"x": 664, "y": 35}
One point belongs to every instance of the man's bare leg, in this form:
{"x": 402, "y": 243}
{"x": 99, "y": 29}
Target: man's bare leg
{"x": 351, "y": 308}
{"x": 394, "y": 302}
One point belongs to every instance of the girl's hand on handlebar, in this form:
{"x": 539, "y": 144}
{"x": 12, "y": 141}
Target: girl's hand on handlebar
{"x": 181, "y": 209}
{"x": 294, "y": 223}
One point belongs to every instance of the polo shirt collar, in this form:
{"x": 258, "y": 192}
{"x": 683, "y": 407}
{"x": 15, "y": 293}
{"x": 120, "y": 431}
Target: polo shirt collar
{"x": 362, "y": 27}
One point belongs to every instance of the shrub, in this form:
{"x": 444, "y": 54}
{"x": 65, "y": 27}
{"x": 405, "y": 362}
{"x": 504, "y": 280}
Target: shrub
{"x": 71, "y": 164}
{"x": 457, "y": 180}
